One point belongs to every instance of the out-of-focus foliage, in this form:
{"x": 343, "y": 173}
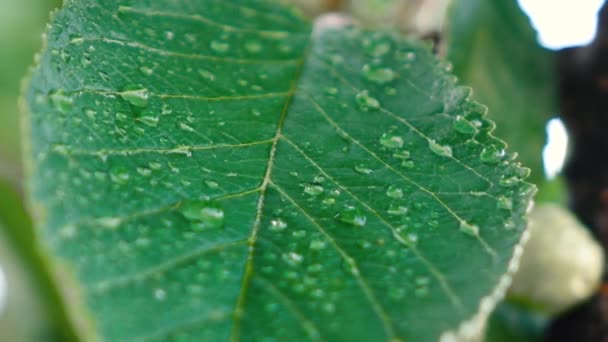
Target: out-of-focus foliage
{"x": 511, "y": 323}
{"x": 493, "y": 48}
{"x": 25, "y": 316}
{"x": 21, "y": 25}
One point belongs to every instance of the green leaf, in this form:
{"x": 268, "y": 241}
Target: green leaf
{"x": 493, "y": 48}
{"x": 212, "y": 170}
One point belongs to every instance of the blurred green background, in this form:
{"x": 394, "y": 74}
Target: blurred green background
{"x": 24, "y": 316}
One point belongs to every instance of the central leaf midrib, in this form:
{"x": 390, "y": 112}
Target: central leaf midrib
{"x": 248, "y": 272}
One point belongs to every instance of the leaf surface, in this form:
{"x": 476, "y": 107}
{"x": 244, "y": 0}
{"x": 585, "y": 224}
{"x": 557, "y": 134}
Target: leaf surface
{"x": 212, "y": 170}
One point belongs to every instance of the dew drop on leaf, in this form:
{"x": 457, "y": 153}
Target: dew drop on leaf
{"x": 440, "y": 150}
{"x": 219, "y": 47}
{"x": 313, "y": 189}
{"x": 203, "y": 214}
{"x": 109, "y": 222}
{"x": 278, "y": 225}
{"x": 293, "y": 258}
{"x": 331, "y": 90}
{"x": 352, "y": 216}
{"x": 212, "y": 184}
{"x": 408, "y": 164}
{"x": 329, "y": 201}
{"x": 146, "y": 71}
{"x": 504, "y": 202}
{"x": 253, "y": 46}
{"x": 464, "y": 126}
{"x": 366, "y": 102}
{"x": 90, "y": 113}
{"x": 469, "y": 229}
{"x": 491, "y": 155}
{"x": 136, "y": 96}
{"x": 508, "y": 181}
{"x": 144, "y": 171}
{"x": 160, "y": 294}
{"x": 377, "y": 74}
{"x": 376, "y": 47}
{"x": 397, "y": 210}
{"x": 149, "y": 120}
{"x": 207, "y": 75}
{"x": 391, "y": 140}
{"x": 394, "y": 192}
{"x": 155, "y": 165}
{"x": 119, "y": 175}
{"x": 317, "y": 245}
{"x": 362, "y": 169}
{"x": 402, "y": 154}
{"x": 411, "y": 239}
{"x": 60, "y": 101}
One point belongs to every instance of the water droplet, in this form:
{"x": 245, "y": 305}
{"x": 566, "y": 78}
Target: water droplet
{"x": 366, "y": 102}
{"x": 149, "y": 120}
{"x": 504, "y": 202}
{"x": 299, "y": 234}
{"x": 144, "y": 171}
{"x": 353, "y": 216}
{"x": 109, "y": 222}
{"x": 313, "y": 189}
{"x": 203, "y": 214}
{"x": 378, "y": 75}
{"x": 362, "y": 169}
{"x": 317, "y": 245}
{"x": 329, "y": 201}
{"x": 119, "y": 175}
{"x": 219, "y": 47}
{"x": 329, "y": 308}
{"x": 160, "y": 294}
{"x": 391, "y": 141}
{"x": 411, "y": 239}
{"x": 278, "y": 225}
{"x": 509, "y": 224}
{"x": 508, "y": 181}
{"x": 469, "y": 229}
{"x": 318, "y": 179}
{"x": 60, "y": 101}
{"x": 402, "y": 154}
{"x": 331, "y": 90}
{"x": 405, "y": 56}
{"x": 523, "y": 172}
{"x": 397, "y": 210}
{"x": 293, "y": 258}
{"x": 146, "y": 71}
{"x": 253, "y": 46}
{"x": 464, "y": 126}
{"x": 136, "y": 96}
{"x": 336, "y": 59}
{"x": 155, "y": 165}
{"x": 491, "y": 155}
{"x": 394, "y": 192}
{"x": 440, "y": 150}
{"x": 212, "y": 184}
{"x": 390, "y": 91}
{"x": 90, "y": 113}
{"x": 375, "y": 47}
{"x": 206, "y": 74}
{"x": 408, "y": 164}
